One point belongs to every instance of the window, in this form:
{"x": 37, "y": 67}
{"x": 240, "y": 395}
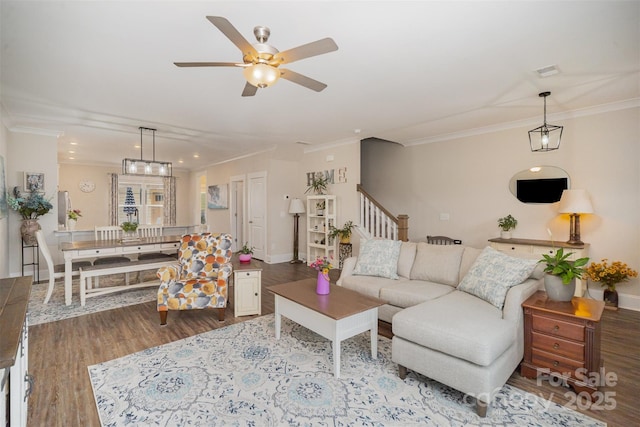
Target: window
{"x": 147, "y": 204}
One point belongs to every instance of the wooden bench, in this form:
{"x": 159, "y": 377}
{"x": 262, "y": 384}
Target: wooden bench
{"x": 87, "y": 273}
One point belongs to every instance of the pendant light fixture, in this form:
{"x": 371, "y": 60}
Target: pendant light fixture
{"x": 545, "y": 137}
{"x": 146, "y": 167}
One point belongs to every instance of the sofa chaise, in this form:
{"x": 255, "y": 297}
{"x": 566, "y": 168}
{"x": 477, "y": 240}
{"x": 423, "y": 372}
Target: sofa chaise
{"x": 455, "y": 310}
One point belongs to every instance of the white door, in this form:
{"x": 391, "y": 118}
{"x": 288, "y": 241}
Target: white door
{"x": 237, "y": 211}
{"x": 257, "y": 213}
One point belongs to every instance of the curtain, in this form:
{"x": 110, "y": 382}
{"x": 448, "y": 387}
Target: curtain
{"x": 170, "y": 200}
{"x": 113, "y": 199}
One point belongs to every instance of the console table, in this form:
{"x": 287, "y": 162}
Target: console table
{"x": 539, "y": 247}
{"x": 14, "y": 356}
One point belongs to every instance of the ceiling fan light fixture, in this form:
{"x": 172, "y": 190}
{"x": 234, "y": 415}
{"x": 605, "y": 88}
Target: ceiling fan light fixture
{"x": 546, "y": 137}
{"x": 261, "y": 75}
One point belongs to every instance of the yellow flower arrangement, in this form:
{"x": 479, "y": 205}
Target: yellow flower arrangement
{"x": 609, "y": 274}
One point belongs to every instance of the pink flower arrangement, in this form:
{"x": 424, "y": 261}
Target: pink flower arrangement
{"x": 322, "y": 264}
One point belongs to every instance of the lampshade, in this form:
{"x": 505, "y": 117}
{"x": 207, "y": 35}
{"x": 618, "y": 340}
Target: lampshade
{"x": 546, "y": 137}
{"x": 296, "y": 206}
{"x": 261, "y": 75}
{"x": 575, "y": 201}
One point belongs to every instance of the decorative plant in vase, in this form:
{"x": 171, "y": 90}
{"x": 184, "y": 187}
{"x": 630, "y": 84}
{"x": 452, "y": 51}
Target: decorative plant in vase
{"x": 507, "y": 224}
{"x": 318, "y": 184}
{"x": 30, "y": 209}
{"x": 560, "y": 280}
{"x": 344, "y": 233}
{"x": 73, "y": 216}
{"x": 129, "y": 226}
{"x": 608, "y": 275}
{"x": 322, "y": 265}
{"x": 246, "y": 252}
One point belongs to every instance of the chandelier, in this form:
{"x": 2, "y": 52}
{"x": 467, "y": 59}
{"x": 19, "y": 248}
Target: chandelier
{"x": 545, "y": 137}
{"x": 146, "y": 167}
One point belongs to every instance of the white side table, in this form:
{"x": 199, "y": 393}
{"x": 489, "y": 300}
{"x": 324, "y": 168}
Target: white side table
{"x": 247, "y": 290}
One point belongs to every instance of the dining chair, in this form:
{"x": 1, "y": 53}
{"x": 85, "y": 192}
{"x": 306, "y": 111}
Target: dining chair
{"x": 442, "y": 240}
{"x": 110, "y": 232}
{"x": 56, "y": 271}
{"x": 152, "y": 230}
{"x": 149, "y": 230}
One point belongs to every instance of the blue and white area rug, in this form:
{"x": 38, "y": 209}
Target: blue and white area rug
{"x": 55, "y": 310}
{"x": 240, "y": 375}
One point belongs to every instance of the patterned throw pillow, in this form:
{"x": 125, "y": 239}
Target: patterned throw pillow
{"x": 378, "y": 258}
{"x": 493, "y": 273}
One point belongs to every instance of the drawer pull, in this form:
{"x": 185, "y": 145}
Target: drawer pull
{"x": 556, "y": 346}
{"x": 556, "y": 328}
{"x": 256, "y": 294}
{"x": 248, "y": 274}
{"x": 556, "y": 363}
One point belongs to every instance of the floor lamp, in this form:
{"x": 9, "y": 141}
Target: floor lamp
{"x": 296, "y": 208}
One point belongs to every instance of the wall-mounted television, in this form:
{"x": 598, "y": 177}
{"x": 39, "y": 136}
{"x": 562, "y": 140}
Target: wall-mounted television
{"x": 546, "y": 190}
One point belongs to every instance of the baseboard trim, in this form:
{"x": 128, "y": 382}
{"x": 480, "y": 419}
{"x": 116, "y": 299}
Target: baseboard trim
{"x": 626, "y": 301}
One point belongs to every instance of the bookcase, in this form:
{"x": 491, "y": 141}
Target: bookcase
{"x": 321, "y": 215}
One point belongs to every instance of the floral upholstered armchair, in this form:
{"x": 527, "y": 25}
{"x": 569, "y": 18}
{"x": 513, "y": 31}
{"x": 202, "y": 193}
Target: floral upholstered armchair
{"x": 201, "y": 277}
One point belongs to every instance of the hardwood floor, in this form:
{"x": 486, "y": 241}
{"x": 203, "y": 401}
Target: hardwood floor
{"x": 60, "y": 352}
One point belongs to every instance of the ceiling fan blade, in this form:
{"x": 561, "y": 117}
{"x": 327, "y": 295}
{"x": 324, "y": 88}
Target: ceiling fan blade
{"x": 302, "y": 80}
{"x": 318, "y": 47}
{"x": 208, "y": 64}
{"x": 234, "y": 35}
{"x": 249, "y": 90}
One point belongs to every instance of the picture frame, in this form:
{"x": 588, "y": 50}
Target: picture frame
{"x": 218, "y": 196}
{"x": 33, "y": 182}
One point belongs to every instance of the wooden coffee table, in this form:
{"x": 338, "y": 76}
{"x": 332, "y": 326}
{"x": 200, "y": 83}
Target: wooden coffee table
{"x": 337, "y": 316}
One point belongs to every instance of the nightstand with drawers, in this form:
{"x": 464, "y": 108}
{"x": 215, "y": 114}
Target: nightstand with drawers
{"x": 562, "y": 339}
{"x": 247, "y": 290}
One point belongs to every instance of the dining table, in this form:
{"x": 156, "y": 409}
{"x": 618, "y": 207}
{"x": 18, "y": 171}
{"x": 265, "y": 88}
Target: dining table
{"x": 87, "y": 249}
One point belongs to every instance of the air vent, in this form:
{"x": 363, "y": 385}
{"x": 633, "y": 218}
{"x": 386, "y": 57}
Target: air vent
{"x": 547, "y": 71}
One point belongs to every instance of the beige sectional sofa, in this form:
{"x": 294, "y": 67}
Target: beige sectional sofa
{"x": 455, "y": 311}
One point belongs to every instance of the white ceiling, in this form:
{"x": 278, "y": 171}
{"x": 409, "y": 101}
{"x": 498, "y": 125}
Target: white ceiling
{"x": 410, "y": 72}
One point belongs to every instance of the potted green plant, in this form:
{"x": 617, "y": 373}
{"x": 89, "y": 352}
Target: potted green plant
{"x": 344, "y": 233}
{"x": 318, "y": 185}
{"x": 507, "y": 224}
{"x": 129, "y": 226}
{"x": 245, "y": 252}
{"x": 560, "y": 280}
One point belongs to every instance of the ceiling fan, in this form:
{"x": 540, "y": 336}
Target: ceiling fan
{"x": 261, "y": 61}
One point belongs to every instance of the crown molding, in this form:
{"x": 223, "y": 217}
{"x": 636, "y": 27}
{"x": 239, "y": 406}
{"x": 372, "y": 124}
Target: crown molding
{"x": 566, "y": 115}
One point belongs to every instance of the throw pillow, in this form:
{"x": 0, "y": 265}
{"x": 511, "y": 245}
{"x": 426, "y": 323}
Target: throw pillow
{"x": 378, "y": 258}
{"x": 493, "y": 273}
{"x": 437, "y": 263}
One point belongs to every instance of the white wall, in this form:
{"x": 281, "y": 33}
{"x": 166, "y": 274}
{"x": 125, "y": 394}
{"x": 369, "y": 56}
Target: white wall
{"x": 468, "y": 179}
{"x": 4, "y": 222}
{"x": 30, "y": 153}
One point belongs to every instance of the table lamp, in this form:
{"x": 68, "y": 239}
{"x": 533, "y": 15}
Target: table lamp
{"x": 296, "y": 208}
{"x": 575, "y": 202}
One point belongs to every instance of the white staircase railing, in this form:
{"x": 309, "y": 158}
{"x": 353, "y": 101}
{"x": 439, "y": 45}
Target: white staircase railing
{"x": 374, "y": 222}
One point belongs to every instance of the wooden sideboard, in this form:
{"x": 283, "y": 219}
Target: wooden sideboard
{"x": 14, "y": 356}
{"x": 539, "y": 247}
